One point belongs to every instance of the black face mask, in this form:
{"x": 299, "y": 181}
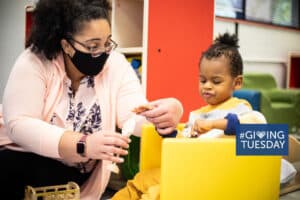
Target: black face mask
{"x": 87, "y": 64}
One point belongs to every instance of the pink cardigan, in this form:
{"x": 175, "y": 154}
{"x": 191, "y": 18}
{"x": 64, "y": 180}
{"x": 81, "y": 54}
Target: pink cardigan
{"x": 33, "y": 91}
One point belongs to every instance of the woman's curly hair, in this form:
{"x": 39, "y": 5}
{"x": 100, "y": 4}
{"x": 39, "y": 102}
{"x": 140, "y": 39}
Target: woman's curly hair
{"x": 226, "y": 45}
{"x": 54, "y": 20}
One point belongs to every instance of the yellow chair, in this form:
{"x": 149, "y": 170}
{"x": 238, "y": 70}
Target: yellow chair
{"x": 150, "y": 147}
{"x": 208, "y": 169}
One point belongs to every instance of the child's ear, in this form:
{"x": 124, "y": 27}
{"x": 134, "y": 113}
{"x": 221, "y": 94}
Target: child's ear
{"x": 238, "y": 82}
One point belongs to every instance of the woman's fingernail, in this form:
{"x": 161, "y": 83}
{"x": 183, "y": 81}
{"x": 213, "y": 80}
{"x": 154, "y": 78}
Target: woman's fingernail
{"x": 121, "y": 160}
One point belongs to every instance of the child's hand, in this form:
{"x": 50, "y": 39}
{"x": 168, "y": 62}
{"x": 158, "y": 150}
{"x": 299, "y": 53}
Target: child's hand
{"x": 202, "y": 126}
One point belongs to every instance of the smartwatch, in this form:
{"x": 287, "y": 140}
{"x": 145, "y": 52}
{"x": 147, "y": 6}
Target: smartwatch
{"x": 80, "y": 146}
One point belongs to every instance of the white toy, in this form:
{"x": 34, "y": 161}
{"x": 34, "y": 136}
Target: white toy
{"x": 127, "y": 130}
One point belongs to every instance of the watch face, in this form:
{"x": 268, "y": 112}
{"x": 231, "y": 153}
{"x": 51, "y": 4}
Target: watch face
{"x": 80, "y": 147}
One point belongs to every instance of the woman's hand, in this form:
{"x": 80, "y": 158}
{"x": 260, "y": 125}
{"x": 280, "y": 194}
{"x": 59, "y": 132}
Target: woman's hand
{"x": 107, "y": 145}
{"x": 165, "y": 115}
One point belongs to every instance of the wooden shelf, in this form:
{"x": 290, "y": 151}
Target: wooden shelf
{"x": 127, "y": 22}
{"x": 131, "y": 50}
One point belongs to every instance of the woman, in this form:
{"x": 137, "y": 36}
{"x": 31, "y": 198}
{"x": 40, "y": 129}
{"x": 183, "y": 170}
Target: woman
{"x": 66, "y": 94}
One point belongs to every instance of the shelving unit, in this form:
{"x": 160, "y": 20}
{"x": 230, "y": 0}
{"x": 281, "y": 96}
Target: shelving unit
{"x": 129, "y": 30}
{"x": 127, "y": 23}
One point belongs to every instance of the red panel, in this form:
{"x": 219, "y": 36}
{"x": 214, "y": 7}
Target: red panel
{"x": 295, "y": 72}
{"x": 28, "y": 21}
{"x": 179, "y": 31}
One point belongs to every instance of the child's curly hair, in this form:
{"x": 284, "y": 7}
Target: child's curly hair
{"x": 226, "y": 45}
{"x": 54, "y": 20}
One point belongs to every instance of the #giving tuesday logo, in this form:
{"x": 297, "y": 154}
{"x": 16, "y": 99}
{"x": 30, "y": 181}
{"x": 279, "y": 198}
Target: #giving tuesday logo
{"x": 262, "y": 139}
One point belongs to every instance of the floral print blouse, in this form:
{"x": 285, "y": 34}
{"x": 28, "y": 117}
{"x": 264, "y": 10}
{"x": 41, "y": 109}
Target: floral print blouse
{"x": 79, "y": 112}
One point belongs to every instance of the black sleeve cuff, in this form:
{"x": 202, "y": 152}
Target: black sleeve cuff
{"x": 173, "y": 134}
{"x": 232, "y": 123}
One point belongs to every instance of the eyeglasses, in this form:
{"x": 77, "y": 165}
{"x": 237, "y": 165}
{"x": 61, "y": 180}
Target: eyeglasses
{"x": 96, "y": 49}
